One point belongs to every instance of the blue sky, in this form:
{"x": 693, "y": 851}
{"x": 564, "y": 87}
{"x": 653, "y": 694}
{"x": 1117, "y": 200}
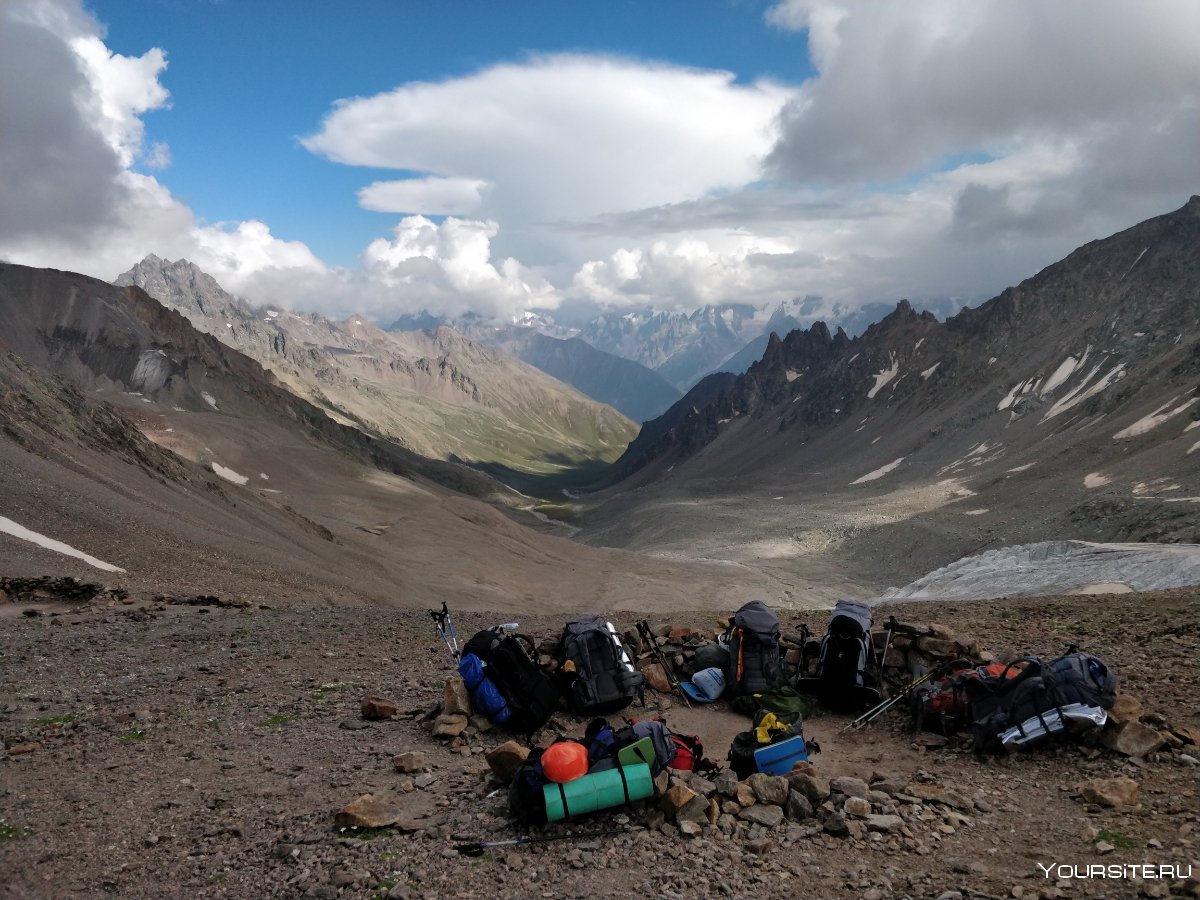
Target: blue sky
{"x": 387, "y": 157}
{"x": 248, "y": 77}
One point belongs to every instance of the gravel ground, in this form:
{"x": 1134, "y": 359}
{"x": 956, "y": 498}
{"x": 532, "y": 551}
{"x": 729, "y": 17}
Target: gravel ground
{"x": 157, "y": 750}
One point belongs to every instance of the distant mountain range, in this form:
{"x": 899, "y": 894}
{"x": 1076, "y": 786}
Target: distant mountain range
{"x": 439, "y": 393}
{"x": 680, "y": 347}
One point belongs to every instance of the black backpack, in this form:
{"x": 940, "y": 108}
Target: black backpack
{"x": 600, "y": 677}
{"x": 844, "y": 668}
{"x": 509, "y": 663}
{"x": 775, "y": 729}
{"x": 755, "y": 664}
{"x": 1031, "y": 705}
{"x": 526, "y": 802}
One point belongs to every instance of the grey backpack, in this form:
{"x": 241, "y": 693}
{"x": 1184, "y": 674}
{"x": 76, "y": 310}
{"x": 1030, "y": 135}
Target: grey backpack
{"x": 755, "y": 664}
{"x": 603, "y": 679}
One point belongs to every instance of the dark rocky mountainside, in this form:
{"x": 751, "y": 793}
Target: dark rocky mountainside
{"x": 128, "y": 434}
{"x": 1114, "y": 322}
{"x": 122, "y": 341}
{"x": 1063, "y": 408}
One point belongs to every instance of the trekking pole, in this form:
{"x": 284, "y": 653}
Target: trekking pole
{"x": 445, "y": 628}
{"x": 875, "y": 711}
{"x": 651, "y": 638}
{"x": 476, "y": 848}
{"x": 802, "y": 668}
{"x": 887, "y": 645}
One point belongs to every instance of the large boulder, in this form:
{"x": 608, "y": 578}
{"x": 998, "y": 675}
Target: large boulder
{"x": 505, "y": 759}
{"x": 813, "y": 787}
{"x": 762, "y": 814}
{"x": 1125, "y": 709}
{"x": 851, "y": 787}
{"x": 769, "y": 788}
{"x": 676, "y": 798}
{"x": 1116, "y": 792}
{"x": 656, "y": 678}
{"x": 370, "y": 811}
{"x": 1134, "y": 739}
{"x": 456, "y": 699}
{"x": 376, "y": 708}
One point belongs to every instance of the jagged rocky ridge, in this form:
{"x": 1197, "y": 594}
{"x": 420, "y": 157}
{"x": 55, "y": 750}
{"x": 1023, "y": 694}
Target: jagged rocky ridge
{"x": 1094, "y": 358}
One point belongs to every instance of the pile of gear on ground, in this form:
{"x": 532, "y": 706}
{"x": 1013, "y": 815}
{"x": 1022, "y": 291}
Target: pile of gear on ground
{"x": 950, "y": 686}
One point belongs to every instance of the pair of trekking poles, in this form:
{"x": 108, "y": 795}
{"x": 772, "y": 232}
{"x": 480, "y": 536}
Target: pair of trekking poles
{"x": 884, "y": 705}
{"x": 649, "y": 637}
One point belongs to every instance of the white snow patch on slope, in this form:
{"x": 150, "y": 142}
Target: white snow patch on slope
{"x": 1023, "y": 468}
{"x": 975, "y": 512}
{"x": 8, "y": 526}
{"x": 1011, "y": 397}
{"x": 878, "y": 473}
{"x": 209, "y": 399}
{"x": 1055, "y": 567}
{"x": 1135, "y": 262}
{"x": 1191, "y": 425}
{"x": 925, "y": 375}
{"x": 229, "y": 474}
{"x": 918, "y": 344}
{"x": 1085, "y": 389}
{"x": 1156, "y": 418}
{"x": 1065, "y": 370}
{"x": 1096, "y": 479}
{"x": 1192, "y": 449}
{"x": 791, "y": 375}
{"x": 882, "y": 378}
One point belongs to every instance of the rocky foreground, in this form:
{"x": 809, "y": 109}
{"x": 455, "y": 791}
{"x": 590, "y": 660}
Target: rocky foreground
{"x": 159, "y": 747}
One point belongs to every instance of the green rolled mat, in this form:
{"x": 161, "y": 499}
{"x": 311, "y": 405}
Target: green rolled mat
{"x": 599, "y": 790}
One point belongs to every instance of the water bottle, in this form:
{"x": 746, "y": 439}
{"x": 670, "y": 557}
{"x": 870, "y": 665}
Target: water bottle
{"x": 507, "y": 626}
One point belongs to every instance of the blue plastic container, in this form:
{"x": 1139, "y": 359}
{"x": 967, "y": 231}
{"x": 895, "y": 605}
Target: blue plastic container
{"x": 778, "y": 759}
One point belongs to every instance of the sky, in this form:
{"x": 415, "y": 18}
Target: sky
{"x": 388, "y": 157}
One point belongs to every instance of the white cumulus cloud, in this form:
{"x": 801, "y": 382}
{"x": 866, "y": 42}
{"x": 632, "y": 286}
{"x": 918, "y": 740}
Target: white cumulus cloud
{"x": 563, "y": 136}
{"x": 449, "y": 267}
{"x": 72, "y": 135}
{"x": 432, "y": 195}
